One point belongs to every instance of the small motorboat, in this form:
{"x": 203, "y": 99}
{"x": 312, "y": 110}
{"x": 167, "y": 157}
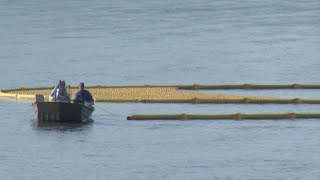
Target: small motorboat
{"x": 62, "y": 112}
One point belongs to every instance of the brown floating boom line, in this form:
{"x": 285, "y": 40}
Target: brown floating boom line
{"x": 223, "y": 86}
{"x": 250, "y": 86}
{"x": 216, "y": 101}
{"x": 236, "y": 116}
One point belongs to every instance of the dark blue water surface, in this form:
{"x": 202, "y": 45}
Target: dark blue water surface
{"x": 160, "y": 42}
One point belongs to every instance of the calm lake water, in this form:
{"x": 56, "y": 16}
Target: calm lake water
{"x": 160, "y": 42}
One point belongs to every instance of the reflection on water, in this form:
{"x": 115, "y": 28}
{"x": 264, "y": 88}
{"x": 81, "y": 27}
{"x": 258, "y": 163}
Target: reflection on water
{"x": 39, "y": 125}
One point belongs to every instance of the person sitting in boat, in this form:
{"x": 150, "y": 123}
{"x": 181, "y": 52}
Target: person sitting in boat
{"x": 83, "y": 96}
{"x": 59, "y": 93}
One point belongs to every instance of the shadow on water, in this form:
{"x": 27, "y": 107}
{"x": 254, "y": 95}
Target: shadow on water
{"x": 54, "y": 126}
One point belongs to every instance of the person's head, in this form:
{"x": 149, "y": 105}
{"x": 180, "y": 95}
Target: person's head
{"x": 81, "y": 86}
{"x": 62, "y": 84}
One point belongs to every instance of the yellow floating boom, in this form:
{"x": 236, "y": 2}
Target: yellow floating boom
{"x": 167, "y": 94}
{"x": 249, "y": 86}
{"x": 236, "y": 116}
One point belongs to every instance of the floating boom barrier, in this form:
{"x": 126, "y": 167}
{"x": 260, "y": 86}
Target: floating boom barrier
{"x": 216, "y": 101}
{"x": 170, "y": 94}
{"x": 249, "y": 86}
{"x": 195, "y": 86}
{"x": 237, "y": 116}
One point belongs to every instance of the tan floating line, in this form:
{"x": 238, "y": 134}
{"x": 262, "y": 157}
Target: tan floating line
{"x": 148, "y": 94}
{"x": 194, "y": 86}
{"x": 236, "y": 116}
{"x": 250, "y": 86}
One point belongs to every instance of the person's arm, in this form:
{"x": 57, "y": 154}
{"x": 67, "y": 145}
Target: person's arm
{"x": 54, "y": 92}
{"x": 76, "y": 96}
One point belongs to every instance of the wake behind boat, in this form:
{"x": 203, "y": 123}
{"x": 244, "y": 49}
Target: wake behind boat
{"x": 62, "y": 112}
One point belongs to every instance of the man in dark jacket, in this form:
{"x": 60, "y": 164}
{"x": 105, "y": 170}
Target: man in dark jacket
{"x": 83, "y": 95}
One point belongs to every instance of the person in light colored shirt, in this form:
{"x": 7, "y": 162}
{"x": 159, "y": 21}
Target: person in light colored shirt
{"x": 60, "y": 93}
